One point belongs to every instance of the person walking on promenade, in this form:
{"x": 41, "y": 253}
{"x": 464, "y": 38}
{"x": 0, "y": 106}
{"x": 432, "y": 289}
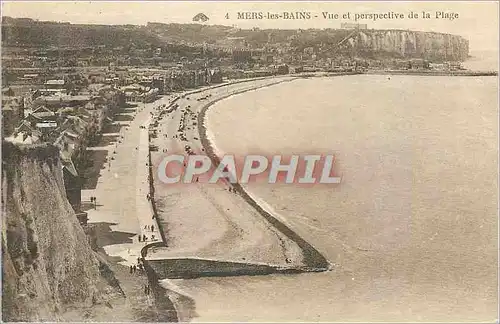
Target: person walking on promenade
{"x": 134, "y": 268}
{"x": 131, "y": 269}
{"x": 152, "y": 228}
{"x": 144, "y": 238}
{"x": 93, "y": 200}
{"x": 145, "y": 289}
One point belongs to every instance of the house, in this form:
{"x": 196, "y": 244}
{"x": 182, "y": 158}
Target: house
{"x": 297, "y": 69}
{"x": 68, "y": 142}
{"x": 214, "y": 76}
{"x": 7, "y": 92}
{"x": 133, "y": 92}
{"x": 33, "y": 78}
{"x": 418, "y": 64}
{"x": 12, "y": 113}
{"x": 453, "y": 66}
{"x": 75, "y": 125}
{"x": 151, "y": 95}
{"x": 72, "y": 182}
{"x": 438, "y": 66}
{"x": 42, "y": 113}
{"x": 44, "y": 121}
{"x": 46, "y": 128}
{"x": 55, "y": 102}
{"x": 55, "y": 84}
{"x": 283, "y": 69}
{"x": 158, "y": 82}
{"x": 25, "y": 134}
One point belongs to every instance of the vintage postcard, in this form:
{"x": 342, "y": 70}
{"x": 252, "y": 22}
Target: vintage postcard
{"x": 239, "y": 161}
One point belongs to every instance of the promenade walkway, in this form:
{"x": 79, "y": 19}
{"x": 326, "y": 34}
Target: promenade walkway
{"x": 122, "y": 189}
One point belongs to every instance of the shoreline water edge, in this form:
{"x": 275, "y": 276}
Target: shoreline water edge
{"x": 313, "y": 260}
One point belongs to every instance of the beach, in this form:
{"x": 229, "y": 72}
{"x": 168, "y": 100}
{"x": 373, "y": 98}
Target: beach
{"x": 207, "y": 221}
{"x": 407, "y": 240}
{"x": 381, "y": 248}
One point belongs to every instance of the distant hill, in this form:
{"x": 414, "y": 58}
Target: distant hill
{"x": 191, "y": 33}
{"x": 24, "y": 32}
{"x": 367, "y": 43}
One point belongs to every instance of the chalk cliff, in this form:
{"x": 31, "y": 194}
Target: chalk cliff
{"x": 412, "y": 44}
{"x": 48, "y": 265}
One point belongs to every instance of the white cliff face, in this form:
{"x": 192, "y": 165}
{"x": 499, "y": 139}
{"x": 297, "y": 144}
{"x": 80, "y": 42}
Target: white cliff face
{"x": 47, "y": 263}
{"x": 411, "y": 44}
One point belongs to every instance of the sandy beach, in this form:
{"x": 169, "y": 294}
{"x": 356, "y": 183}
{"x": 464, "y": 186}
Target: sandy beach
{"x": 122, "y": 188}
{"x": 208, "y": 221}
{"x": 409, "y": 241}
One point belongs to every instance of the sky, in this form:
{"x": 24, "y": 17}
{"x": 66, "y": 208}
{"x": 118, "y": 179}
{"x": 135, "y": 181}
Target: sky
{"x": 477, "y": 20}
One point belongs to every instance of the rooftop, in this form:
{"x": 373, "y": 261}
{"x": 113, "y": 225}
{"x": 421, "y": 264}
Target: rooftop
{"x": 54, "y": 82}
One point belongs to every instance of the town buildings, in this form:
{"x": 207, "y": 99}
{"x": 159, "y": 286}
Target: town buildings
{"x": 70, "y": 107}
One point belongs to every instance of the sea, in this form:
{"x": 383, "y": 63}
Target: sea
{"x": 412, "y": 230}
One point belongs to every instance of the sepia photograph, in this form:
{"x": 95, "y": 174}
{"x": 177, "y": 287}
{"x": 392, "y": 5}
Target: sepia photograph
{"x": 250, "y": 161}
